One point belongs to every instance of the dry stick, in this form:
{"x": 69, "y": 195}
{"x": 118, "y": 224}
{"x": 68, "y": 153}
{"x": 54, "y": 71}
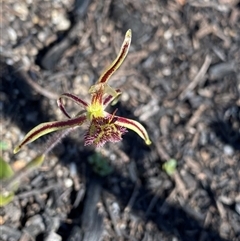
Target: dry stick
{"x": 165, "y": 206}
{"x": 47, "y": 189}
{"x": 198, "y": 78}
{"x": 121, "y": 153}
{"x": 38, "y": 88}
{"x": 221, "y": 210}
{"x": 161, "y": 151}
{"x": 152, "y": 204}
{"x": 133, "y": 197}
{"x": 200, "y": 217}
{"x": 196, "y": 116}
{"x": 180, "y": 185}
{"x": 112, "y": 217}
{"x": 202, "y": 4}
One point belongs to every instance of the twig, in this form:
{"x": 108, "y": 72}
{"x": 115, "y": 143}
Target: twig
{"x": 133, "y": 198}
{"x": 36, "y": 87}
{"x": 112, "y": 217}
{"x": 40, "y": 191}
{"x": 161, "y": 151}
{"x": 198, "y": 78}
{"x": 151, "y": 205}
{"x": 195, "y": 117}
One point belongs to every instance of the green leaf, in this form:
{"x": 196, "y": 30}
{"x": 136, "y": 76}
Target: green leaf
{"x": 170, "y": 166}
{"x": 5, "y": 170}
{"x": 36, "y": 162}
{"x": 6, "y": 198}
{"x": 100, "y": 164}
{"x": 3, "y": 145}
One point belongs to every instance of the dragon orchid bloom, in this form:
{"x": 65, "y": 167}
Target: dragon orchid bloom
{"x": 104, "y": 127}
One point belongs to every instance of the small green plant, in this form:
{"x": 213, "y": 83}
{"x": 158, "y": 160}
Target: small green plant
{"x": 3, "y": 145}
{"x": 170, "y": 166}
{"x": 99, "y": 164}
{"x": 10, "y": 180}
{"x": 6, "y": 172}
{"x": 103, "y": 126}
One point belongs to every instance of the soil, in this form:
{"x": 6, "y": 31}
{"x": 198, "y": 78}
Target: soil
{"x": 181, "y": 80}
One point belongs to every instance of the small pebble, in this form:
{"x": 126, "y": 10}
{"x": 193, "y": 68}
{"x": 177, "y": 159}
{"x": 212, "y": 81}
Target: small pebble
{"x": 222, "y": 69}
{"x": 26, "y": 61}
{"x": 9, "y": 61}
{"x": 59, "y": 172}
{"x": 164, "y": 58}
{"x": 35, "y": 19}
{"x": 12, "y": 34}
{"x": 228, "y": 150}
{"x": 13, "y": 212}
{"x": 237, "y": 208}
{"x": 21, "y": 9}
{"x": 61, "y": 22}
{"x": 116, "y": 208}
{"x": 33, "y": 51}
{"x": 85, "y": 78}
{"x": 168, "y": 34}
{"x": 53, "y": 237}
{"x": 73, "y": 169}
{"x": 103, "y": 39}
{"x": 2, "y": 220}
{"x": 166, "y": 71}
{"x": 42, "y": 36}
{"x": 226, "y": 200}
{"x": 125, "y": 96}
{"x": 68, "y": 182}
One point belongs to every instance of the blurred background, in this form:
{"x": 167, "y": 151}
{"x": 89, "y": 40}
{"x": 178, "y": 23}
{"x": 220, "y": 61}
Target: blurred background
{"x": 181, "y": 80}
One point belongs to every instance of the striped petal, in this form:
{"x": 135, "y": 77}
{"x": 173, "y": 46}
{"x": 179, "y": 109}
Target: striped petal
{"x": 49, "y": 127}
{"x": 134, "y": 126}
{"x": 109, "y": 99}
{"x": 72, "y": 97}
{"x": 118, "y": 61}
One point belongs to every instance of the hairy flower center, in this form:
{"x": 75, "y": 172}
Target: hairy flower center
{"x": 102, "y": 130}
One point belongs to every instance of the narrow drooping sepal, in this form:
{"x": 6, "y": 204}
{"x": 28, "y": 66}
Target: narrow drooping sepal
{"x": 118, "y": 61}
{"x": 49, "y": 127}
{"x": 110, "y": 99}
{"x": 134, "y": 126}
{"x": 102, "y": 130}
{"x": 73, "y": 98}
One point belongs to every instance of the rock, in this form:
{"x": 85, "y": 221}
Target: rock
{"x": 53, "y": 237}
{"x": 60, "y": 20}
{"x": 237, "y": 208}
{"x": 34, "y": 226}
{"x": 12, "y": 35}
{"x": 21, "y": 9}
{"x": 228, "y": 150}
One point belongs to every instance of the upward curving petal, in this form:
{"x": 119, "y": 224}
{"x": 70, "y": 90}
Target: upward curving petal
{"x": 49, "y": 127}
{"x": 109, "y": 99}
{"x": 118, "y": 61}
{"x": 72, "y": 97}
{"x": 134, "y": 126}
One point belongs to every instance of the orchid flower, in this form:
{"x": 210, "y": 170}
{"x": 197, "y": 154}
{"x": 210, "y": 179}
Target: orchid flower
{"x": 104, "y": 127}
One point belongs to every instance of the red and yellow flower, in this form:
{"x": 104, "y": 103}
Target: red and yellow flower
{"x": 104, "y": 127}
